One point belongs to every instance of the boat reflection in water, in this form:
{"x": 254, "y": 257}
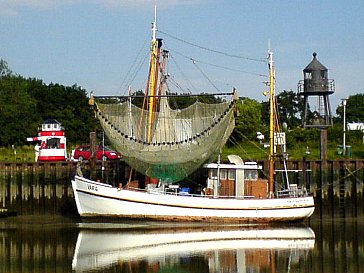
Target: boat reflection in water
{"x": 192, "y": 248}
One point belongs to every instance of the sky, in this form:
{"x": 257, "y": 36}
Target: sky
{"x": 102, "y": 46}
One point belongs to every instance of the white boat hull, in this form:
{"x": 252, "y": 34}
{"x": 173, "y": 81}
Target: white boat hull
{"x": 95, "y": 199}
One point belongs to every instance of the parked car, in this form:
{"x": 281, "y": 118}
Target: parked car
{"x": 83, "y": 152}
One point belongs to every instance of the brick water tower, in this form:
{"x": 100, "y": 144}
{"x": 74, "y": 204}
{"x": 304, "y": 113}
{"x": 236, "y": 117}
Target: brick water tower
{"x": 315, "y": 89}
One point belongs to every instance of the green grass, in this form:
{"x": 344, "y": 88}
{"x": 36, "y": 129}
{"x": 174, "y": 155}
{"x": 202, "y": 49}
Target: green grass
{"x": 246, "y": 150}
{"x": 17, "y": 154}
{"x": 256, "y": 151}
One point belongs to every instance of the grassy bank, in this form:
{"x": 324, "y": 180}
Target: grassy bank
{"x": 17, "y": 154}
{"x": 257, "y": 151}
{"x": 246, "y": 150}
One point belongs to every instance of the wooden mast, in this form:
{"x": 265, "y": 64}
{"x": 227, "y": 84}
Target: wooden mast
{"x": 271, "y": 122}
{"x": 152, "y": 77}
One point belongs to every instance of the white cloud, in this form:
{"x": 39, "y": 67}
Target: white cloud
{"x": 15, "y": 7}
{"x": 147, "y": 4}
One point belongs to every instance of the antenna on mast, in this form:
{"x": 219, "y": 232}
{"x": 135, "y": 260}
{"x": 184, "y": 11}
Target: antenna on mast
{"x": 270, "y": 55}
{"x": 271, "y": 121}
{"x": 154, "y": 24}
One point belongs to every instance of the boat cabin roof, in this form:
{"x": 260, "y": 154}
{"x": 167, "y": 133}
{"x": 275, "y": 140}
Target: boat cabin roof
{"x": 244, "y": 166}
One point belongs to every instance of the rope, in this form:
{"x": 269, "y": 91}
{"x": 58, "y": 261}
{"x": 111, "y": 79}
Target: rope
{"x": 213, "y": 50}
{"x": 252, "y": 142}
{"x": 219, "y": 66}
{"x": 134, "y": 69}
{"x": 203, "y": 74}
{"x": 337, "y": 181}
{"x": 236, "y": 143}
{"x": 353, "y": 173}
{"x": 183, "y": 75}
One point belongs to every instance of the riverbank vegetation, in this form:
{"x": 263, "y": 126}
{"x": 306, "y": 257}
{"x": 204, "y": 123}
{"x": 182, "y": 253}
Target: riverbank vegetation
{"x": 26, "y": 103}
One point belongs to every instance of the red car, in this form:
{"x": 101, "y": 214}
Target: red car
{"x": 83, "y": 152}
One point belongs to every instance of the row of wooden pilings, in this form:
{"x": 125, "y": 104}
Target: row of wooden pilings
{"x": 337, "y": 185}
{"x": 45, "y": 188}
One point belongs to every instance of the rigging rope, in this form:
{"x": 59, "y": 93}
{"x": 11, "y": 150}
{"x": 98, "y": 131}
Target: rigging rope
{"x": 174, "y": 83}
{"x": 236, "y": 143}
{"x": 213, "y": 50}
{"x": 183, "y": 75}
{"x": 352, "y": 173}
{"x": 259, "y": 147}
{"x": 134, "y": 69}
{"x": 336, "y": 182}
{"x": 203, "y": 74}
{"x": 219, "y": 66}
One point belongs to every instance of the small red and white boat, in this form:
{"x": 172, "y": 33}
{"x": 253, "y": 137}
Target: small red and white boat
{"x": 50, "y": 142}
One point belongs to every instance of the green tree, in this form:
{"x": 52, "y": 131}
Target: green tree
{"x": 18, "y": 111}
{"x": 248, "y": 121}
{"x": 26, "y": 103}
{"x": 290, "y": 108}
{"x": 303, "y": 137}
{"x": 354, "y": 109}
{"x": 68, "y": 105}
{"x": 4, "y": 69}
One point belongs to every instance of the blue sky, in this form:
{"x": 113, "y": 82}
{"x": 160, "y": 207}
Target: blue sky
{"x": 99, "y": 45}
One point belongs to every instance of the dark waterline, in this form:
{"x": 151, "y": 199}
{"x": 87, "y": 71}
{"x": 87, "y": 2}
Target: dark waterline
{"x": 50, "y": 244}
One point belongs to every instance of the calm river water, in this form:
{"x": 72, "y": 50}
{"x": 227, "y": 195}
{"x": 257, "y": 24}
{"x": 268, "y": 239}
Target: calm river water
{"x": 58, "y": 244}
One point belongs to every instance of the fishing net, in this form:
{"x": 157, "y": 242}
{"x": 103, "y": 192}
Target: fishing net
{"x": 175, "y": 144}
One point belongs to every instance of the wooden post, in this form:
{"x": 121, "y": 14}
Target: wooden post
{"x": 323, "y": 167}
{"x": 93, "y": 155}
{"x": 323, "y": 146}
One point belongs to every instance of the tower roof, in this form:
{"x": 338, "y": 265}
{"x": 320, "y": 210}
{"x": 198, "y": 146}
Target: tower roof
{"x": 314, "y": 65}
{"x": 51, "y": 121}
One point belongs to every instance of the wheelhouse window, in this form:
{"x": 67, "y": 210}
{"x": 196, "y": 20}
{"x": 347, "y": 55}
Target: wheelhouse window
{"x": 231, "y": 174}
{"x": 251, "y": 174}
{"x": 213, "y": 174}
{"x": 223, "y": 174}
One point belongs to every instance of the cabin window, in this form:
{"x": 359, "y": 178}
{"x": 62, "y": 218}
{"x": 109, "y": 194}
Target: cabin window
{"x": 213, "y": 174}
{"x": 223, "y": 174}
{"x": 251, "y": 174}
{"x": 231, "y": 174}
